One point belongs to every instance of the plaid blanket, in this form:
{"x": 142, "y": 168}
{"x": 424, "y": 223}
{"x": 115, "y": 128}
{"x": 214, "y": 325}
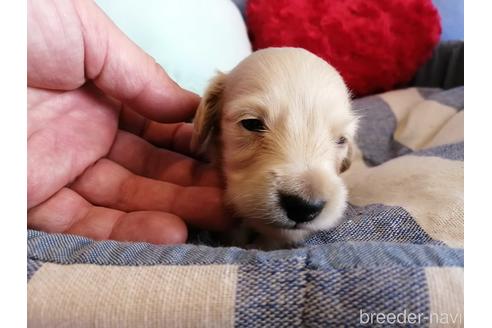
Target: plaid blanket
{"x": 397, "y": 260}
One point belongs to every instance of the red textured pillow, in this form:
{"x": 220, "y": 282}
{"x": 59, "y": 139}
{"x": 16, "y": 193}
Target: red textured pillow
{"x": 374, "y": 44}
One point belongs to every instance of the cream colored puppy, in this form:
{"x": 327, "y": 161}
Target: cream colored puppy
{"x": 279, "y": 126}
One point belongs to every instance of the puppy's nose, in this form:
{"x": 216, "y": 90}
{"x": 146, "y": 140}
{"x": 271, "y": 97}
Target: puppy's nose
{"x": 298, "y": 209}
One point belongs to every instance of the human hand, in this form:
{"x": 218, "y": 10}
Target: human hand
{"x": 87, "y": 83}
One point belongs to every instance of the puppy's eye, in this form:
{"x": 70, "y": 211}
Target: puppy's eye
{"x": 253, "y": 125}
{"x": 341, "y": 141}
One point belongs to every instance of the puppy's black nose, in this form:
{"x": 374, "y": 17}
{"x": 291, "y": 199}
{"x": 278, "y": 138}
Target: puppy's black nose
{"x": 298, "y": 209}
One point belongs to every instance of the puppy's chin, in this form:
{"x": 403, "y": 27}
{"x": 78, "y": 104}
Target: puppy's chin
{"x": 280, "y": 235}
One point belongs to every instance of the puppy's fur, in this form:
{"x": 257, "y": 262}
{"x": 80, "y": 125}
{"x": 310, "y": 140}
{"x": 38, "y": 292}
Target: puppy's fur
{"x": 302, "y": 148}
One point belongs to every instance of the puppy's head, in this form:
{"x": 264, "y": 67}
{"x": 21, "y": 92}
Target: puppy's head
{"x": 280, "y": 126}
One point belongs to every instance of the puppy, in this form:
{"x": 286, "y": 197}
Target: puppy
{"x": 280, "y": 128}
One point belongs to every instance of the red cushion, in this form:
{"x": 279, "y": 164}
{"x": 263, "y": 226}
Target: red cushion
{"x": 376, "y": 45}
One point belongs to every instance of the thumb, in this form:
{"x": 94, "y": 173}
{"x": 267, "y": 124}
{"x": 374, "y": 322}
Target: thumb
{"x": 124, "y": 71}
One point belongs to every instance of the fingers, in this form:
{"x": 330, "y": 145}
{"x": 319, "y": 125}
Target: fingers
{"x": 59, "y": 212}
{"x": 110, "y": 185}
{"x": 151, "y": 227}
{"x": 142, "y": 158}
{"x": 124, "y": 71}
{"x": 175, "y": 137}
{"x": 68, "y": 212}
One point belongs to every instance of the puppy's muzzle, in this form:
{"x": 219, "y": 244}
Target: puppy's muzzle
{"x": 299, "y": 209}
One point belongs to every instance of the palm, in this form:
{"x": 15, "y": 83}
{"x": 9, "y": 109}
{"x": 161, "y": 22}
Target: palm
{"x": 67, "y": 132}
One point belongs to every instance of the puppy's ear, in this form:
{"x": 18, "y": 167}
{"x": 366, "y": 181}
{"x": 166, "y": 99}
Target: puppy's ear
{"x": 207, "y": 118}
{"x": 347, "y": 161}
